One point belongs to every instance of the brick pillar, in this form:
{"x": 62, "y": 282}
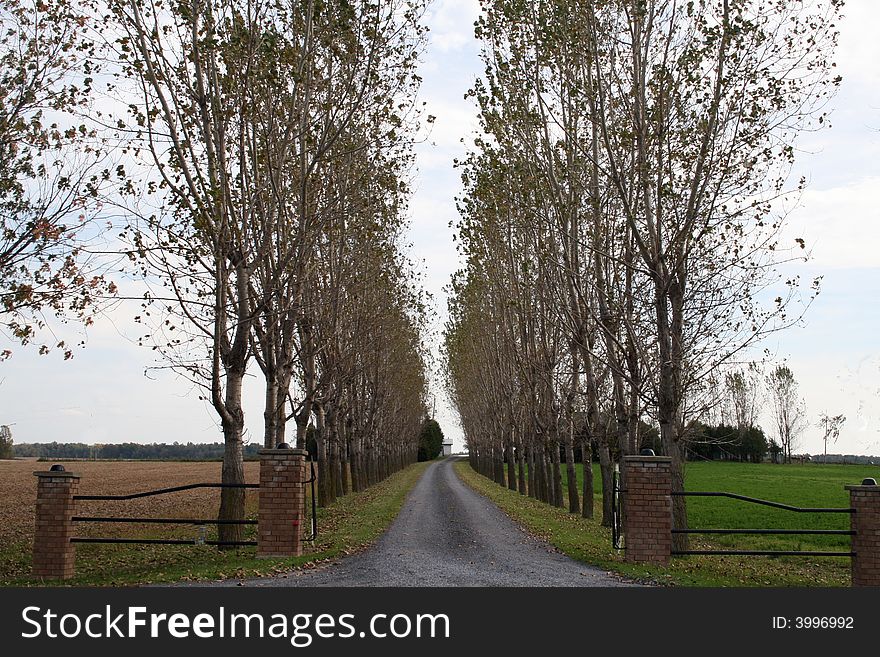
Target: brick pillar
{"x": 54, "y": 554}
{"x": 647, "y": 508}
{"x": 282, "y": 502}
{"x": 865, "y": 522}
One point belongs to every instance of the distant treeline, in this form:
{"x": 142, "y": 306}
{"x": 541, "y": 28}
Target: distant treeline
{"x": 848, "y": 459}
{"x": 136, "y": 451}
{"x": 727, "y": 443}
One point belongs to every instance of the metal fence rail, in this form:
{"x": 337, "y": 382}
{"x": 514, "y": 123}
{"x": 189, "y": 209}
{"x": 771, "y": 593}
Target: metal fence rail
{"x": 837, "y": 532}
{"x": 157, "y": 541}
{"x": 764, "y": 553}
{"x": 160, "y": 491}
{"x": 165, "y": 521}
{"x": 755, "y": 500}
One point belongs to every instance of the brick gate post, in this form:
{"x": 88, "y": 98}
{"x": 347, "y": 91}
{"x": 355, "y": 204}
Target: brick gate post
{"x": 647, "y": 509}
{"x": 282, "y": 502}
{"x": 54, "y": 554}
{"x": 865, "y": 522}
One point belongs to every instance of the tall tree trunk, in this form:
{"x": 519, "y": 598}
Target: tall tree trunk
{"x": 335, "y": 486}
{"x": 556, "y": 471}
{"x": 571, "y": 473}
{"x": 545, "y": 485}
{"x": 270, "y": 412}
{"x": 284, "y": 376}
{"x": 321, "y": 444}
{"x": 335, "y": 469}
{"x": 340, "y": 483}
{"x": 371, "y": 465}
{"x": 346, "y": 465}
{"x": 533, "y": 473}
{"x": 592, "y": 430}
{"x": 309, "y": 383}
{"x": 668, "y": 407}
{"x": 498, "y": 461}
{"x": 354, "y": 463}
{"x": 521, "y": 458}
{"x": 232, "y": 500}
{"x": 607, "y": 468}
{"x": 587, "y": 462}
{"x": 511, "y": 466}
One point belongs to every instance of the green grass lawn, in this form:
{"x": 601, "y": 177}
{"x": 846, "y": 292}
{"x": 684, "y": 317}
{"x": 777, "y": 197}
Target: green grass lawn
{"x": 346, "y": 526}
{"x": 808, "y": 485}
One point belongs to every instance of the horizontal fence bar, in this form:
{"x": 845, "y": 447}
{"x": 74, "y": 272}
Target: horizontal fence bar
{"x": 755, "y": 500}
{"x": 157, "y": 541}
{"x": 161, "y": 491}
{"x": 168, "y": 521}
{"x": 765, "y": 553}
{"x": 835, "y": 532}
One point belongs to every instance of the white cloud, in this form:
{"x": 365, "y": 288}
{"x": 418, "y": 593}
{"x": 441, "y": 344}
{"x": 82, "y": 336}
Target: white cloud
{"x": 841, "y": 225}
{"x": 859, "y": 49}
{"x": 452, "y": 23}
{"x": 831, "y": 384}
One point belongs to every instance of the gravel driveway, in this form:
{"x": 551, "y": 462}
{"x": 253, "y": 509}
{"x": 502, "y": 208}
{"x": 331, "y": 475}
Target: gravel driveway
{"x": 448, "y": 535}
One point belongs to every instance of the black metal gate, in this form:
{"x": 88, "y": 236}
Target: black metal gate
{"x": 617, "y": 525}
{"x": 769, "y": 553}
{"x": 311, "y": 480}
{"x": 616, "y": 511}
{"x": 200, "y": 522}
{"x": 165, "y": 521}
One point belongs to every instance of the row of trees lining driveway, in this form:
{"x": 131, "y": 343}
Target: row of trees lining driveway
{"x": 241, "y": 170}
{"x": 621, "y": 222}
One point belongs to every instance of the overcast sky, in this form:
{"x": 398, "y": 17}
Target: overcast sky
{"x": 103, "y": 395}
